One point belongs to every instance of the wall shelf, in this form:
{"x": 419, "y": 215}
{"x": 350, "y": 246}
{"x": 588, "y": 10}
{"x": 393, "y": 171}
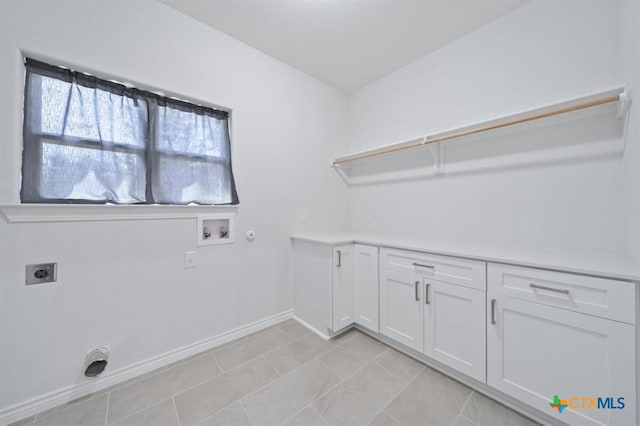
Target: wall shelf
{"x": 620, "y": 97}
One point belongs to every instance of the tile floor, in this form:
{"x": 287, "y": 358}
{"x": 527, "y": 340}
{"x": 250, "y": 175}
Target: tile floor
{"x": 285, "y": 375}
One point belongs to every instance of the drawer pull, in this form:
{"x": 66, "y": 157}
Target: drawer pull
{"x": 493, "y": 311}
{"x": 417, "y": 295}
{"x": 541, "y": 287}
{"x": 423, "y": 266}
{"x": 339, "y": 259}
{"x": 426, "y": 294}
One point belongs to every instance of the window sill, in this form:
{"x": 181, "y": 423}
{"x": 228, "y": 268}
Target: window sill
{"x": 19, "y": 213}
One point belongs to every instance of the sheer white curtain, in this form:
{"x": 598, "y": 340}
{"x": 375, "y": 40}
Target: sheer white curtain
{"x": 88, "y": 140}
{"x": 192, "y": 161}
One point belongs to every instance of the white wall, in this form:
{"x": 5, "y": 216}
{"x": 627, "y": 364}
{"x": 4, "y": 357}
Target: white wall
{"x": 630, "y": 56}
{"x": 541, "y": 53}
{"x": 122, "y": 283}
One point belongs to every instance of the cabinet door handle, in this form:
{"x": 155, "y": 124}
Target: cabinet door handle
{"x": 541, "y": 287}
{"x": 339, "y": 258}
{"x": 417, "y": 290}
{"x": 426, "y": 294}
{"x": 493, "y": 311}
{"x": 423, "y": 266}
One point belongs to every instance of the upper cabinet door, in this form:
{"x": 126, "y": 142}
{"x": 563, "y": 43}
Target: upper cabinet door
{"x": 343, "y": 293}
{"x": 401, "y": 307}
{"x": 535, "y": 352}
{"x": 366, "y": 286}
{"x": 454, "y": 327}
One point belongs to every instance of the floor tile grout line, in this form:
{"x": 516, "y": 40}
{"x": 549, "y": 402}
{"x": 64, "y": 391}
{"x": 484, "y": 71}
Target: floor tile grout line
{"x": 316, "y": 356}
{"x": 244, "y": 411}
{"x": 347, "y": 377}
{"x": 316, "y": 411}
{"x": 307, "y": 331}
{"x": 341, "y": 345}
{"x": 70, "y": 404}
{"x": 217, "y": 365}
{"x": 222, "y": 372}
{"x": 463, "y": 407}
{"x": 173, "y": 395}
{"x": 239, "y": 400}
{"x": 264, "y": 353}
{"x": 341, "y": 380}
{"x": 263, "y": 356}
{"x": 411, "y": 380}
{"x": 273, "y": 366}
{"x": 375, "y": 360}
{"x": 384, "y": 410}
{"x": 468, "y": 419}
{"x": 285, "y": 345}
{"x": 387, "y": 370}
{"x": 135, "y": 413}
{"x": 132, "y": 381}
{"x": 106, "y": 414}
{"x": 214, "y": 377}
{"x": 296, "y": 413}
{"x": 291, "y": 371}
{"x": 175, "y": 410}
{"x": 268, "y": 383}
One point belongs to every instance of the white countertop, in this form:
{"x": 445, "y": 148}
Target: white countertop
{"x": 580, "y": 262}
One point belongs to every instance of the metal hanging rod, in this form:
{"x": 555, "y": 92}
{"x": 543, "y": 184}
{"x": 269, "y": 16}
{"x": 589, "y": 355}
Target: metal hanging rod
{"x": 623, "y": 97}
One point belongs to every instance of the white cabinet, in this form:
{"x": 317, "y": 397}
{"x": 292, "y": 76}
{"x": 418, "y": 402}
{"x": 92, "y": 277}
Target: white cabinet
{"x": 454, "y": 327}
{"x": 606, "y": 298}
{"x": 401, "y": 307}
{"x": 454, "y": 270}
{"x": 323, "y": 287}
{"x": 435, "y": 305}
{"x": 527, "y": 333}
{"x": 343, "y": 292}
{"x": 536, "y": 350}
{"x": 366, "y": 286}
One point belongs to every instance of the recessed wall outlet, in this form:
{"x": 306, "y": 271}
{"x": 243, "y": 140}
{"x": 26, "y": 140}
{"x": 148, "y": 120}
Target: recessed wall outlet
{"x": 41, "y": 273}
{"x": 189, "y": 259}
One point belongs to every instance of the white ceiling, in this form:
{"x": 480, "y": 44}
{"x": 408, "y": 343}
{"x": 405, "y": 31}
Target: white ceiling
{"x": 346, "y": 43}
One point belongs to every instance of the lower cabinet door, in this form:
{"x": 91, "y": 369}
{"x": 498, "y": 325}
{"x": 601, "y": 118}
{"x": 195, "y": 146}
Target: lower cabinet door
{"x": 573, "y": 366}
{"x": 401, "y": 308}
{"x": 454, "y": 327}
{"x": 366, "y": 286}
{"x": 343, "y": 294}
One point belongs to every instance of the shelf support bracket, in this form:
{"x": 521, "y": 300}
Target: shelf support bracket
{"x": 624, "y": 103}
{"x": 343, "y": 175}
{"x": 437, "y": 153}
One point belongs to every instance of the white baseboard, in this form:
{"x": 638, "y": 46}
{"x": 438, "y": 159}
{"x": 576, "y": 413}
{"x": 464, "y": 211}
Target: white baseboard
{"x": 315, "y": 330}
{"x": 325, "y": 336}
{"x": 61, "y": 396}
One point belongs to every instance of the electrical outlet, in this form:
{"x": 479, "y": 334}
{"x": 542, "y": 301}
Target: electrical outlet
{"x": 189, "y": 259}
{"x": 304, "y": 217}
{"x": 41, "y": 273}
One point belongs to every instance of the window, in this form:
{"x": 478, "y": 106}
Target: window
{"x": 88, "y": 140}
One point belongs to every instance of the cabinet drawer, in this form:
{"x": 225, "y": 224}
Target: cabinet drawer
{"x": 601, "y": 297}
{"x": 468, "y": 273}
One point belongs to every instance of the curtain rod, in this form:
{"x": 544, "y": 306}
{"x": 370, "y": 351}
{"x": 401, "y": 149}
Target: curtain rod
{"x": 415, "y": 143}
